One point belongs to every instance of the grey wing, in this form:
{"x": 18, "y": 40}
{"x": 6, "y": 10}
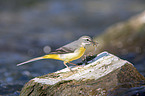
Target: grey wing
{"x": 69, "y": 48}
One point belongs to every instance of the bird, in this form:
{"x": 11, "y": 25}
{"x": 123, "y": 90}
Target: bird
{"x": 67, "y": 53}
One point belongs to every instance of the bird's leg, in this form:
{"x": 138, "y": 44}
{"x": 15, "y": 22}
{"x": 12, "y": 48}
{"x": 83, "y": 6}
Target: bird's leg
{"x": 72, "y": 63}
{"x": 67, "y": 66}
{"x": 85, "y": 59}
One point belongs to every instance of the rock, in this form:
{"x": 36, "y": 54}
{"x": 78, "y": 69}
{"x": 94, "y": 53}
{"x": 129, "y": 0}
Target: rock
{"x": 103, "y": 75}
{"x": 124, "y": 37}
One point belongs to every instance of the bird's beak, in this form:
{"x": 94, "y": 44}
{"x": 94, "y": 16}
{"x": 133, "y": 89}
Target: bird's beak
{"x": 94, "y": 43}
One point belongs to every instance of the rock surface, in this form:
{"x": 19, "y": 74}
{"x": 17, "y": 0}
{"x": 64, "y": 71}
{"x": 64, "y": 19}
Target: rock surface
{"x": 103, "y": 75}
{"x": 126, "y": 40}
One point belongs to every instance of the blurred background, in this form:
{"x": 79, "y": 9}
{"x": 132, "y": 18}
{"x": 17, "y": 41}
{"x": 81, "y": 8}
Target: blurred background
{"x": 29, "y": 27}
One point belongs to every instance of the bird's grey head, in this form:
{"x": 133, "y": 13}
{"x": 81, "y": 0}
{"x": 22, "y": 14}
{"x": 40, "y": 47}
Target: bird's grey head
{"x": 85, "y": 40}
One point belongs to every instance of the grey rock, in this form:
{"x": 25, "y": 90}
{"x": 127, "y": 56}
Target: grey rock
{"x": 100, "y": 77}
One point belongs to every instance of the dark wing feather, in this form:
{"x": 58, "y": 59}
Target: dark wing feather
{"x": 62, "y": 50}
{"x": 69, "y": 48}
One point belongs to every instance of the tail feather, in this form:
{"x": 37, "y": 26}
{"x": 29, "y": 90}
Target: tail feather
{"x": 35, "y": 59}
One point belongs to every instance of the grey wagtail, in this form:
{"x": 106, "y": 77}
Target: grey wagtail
{"x": 69, "y": 52}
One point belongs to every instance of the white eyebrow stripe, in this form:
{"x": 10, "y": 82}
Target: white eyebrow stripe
{"x": 86, "y": 38}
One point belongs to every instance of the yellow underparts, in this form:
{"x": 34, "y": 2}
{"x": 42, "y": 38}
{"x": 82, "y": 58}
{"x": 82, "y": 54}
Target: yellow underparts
{"x": 68, "y": 56}
{"x": 76, "y": 55}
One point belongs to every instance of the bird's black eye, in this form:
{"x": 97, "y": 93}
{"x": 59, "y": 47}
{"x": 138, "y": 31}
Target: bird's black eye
{"x": 87, "y": 39}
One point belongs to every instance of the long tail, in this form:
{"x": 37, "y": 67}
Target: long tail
{"x": 49, "y": 56}
{"x": 35, "y": 59}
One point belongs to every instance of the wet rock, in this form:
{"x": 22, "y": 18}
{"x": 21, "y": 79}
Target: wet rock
{"x": 103, "y": 75}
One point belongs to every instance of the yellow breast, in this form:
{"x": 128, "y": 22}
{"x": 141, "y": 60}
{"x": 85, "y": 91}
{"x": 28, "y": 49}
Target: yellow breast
{"x": 73, "y": 56}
